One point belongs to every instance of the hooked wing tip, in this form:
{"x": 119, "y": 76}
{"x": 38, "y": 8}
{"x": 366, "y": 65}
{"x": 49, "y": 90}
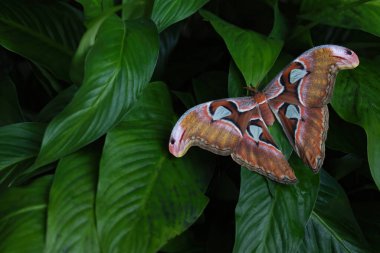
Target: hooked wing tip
{"x": 348, "y": 59}
{"x": 176, "y": 145}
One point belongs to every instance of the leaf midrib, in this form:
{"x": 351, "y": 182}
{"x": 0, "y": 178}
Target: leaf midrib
{"x": 329, "y": 229}
{"x": 23, "y": 210}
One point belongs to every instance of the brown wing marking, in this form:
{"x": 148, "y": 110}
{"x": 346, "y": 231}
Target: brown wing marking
{"x": 216, "y": 126}
{"x": 306, "y": 129}
{"x": 257, "y": 151}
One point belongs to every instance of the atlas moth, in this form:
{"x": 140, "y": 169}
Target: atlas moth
{"x": 297, "y": 98}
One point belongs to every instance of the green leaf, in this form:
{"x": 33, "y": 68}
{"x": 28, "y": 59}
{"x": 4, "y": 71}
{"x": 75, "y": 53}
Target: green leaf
{"x": 118, "y": 67}
{"x": 19, "y": 142}
{"x": 280, "y": 27}
{"x": 235, "y": 81}
{"x": 353, "y": 14}
{"x": 254, "y": 54}
{"x": 166, "y": 13}
{"x": 10, "y": 111}
{"x": 146, "y": 196}
{"x": 71, "y": 213}
{"x": 86, "y": 43}
{"x": 356, "y": 99}
{"x": 332, "y": 227}
{"x": 51, "y": 29}
{"x": 23, "y": 217}
{"x": 137, "y": 9}
{"x": 271, "y": 217}
{"x": 94, "y": 8}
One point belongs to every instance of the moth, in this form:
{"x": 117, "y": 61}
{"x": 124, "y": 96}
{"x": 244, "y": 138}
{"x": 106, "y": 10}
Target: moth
{"x": 297, "y": 98}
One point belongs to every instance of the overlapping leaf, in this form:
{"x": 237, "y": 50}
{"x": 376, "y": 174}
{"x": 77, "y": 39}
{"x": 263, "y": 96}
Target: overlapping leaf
{"x": 19, "y": 142}
{"x": 356, "y": 100}
{"x": 118, "y": 67}
{"x": 271, "y": 217}
{"x": 10, "y": 111}
{"x": 52, "y": 31}
{"x": 71, "y": 213}
{"x": 166, "y": 13}
{"x": 363, "y": 15}
{"x": 23, "y": 217}
{"x": 94, "y": 8}
{"x": 253, "y": 53}
{"x": 145, "y": 196}
{"x": 332, "y": 227}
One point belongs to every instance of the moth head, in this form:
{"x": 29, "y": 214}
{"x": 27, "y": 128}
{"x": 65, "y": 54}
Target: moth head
{"x": 345, "y": 58}
{"x": 177, "y": 146}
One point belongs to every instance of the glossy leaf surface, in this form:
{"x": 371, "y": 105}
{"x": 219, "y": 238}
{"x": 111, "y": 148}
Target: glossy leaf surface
{"x": 52, "y": 31}
{"x": 166, "y": 13}
{"x": 271, "y": 217}
{"x": 71, "y": 213}
{"x": 118, "y": 67}
{"x": 19, "y": 142}
{"x": 329, "y": 230}
{"x": 22, "y": 222}
{"x": 254, "y": 54}
{"x": 145, "y": 196}
{"x": 363, "y": 15}
{"x": 357, "y": 102}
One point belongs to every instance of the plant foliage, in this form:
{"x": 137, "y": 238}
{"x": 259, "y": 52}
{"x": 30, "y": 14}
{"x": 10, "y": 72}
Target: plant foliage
{"x": 90, "y": 90}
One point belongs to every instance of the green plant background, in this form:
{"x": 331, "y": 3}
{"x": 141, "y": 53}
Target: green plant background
{"x": 90, "y": 90}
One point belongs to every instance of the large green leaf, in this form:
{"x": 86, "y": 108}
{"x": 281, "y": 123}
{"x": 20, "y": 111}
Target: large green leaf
{"x": 166, "y": 13}
{"x": 146, "y": 196}
{"x": 253, "y": 53}
{"x": 280, "y": 27}
{"x": 10, "y": 111}
{"x": 71, "y": 213}
{"x": 19, "y": 142}
{"x": 271, "y": 217}
{"x": 356, "y": 99}
{"x": 118, "y": 66}
{"x": 42, "y": 31}
{"x": 23, "y": 217}
{"x": 353, "y": 14}
{"x": 235, "y": 81}
{"x": 94, "y": 8}
{"x": 332, "y": 227}
{"x": 137, "y": 9}
{"x": 86, "y": 43}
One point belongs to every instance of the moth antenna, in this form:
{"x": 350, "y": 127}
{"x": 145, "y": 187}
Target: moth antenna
{"x": 252, "y": 90}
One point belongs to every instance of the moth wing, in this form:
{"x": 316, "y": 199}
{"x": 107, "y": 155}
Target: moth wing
{"x": 306, "y": 129}
{"x": 310, "y": 78}
{"x": 258, "y": 152}
{"x": 299, "y": 95}
{"x": 232, "y": 127}
{"x": 215, "y": 126}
